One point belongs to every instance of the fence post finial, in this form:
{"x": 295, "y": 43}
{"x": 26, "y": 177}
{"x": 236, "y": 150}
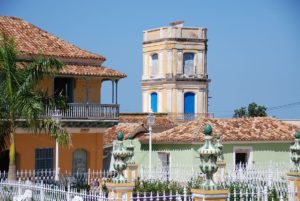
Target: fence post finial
{"x": 208, "y": 165}
{"x": 295, "y": 154}
{"x": 208, "y": 159}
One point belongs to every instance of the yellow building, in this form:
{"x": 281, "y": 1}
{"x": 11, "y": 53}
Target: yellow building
{"x": 80, "y": 82}
{"x": 175, "y": 76}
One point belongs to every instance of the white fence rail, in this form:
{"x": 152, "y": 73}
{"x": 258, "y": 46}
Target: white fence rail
{"x": 180, "y": 174}
{"x": 27, "y": 191}
{"x": 270, "y": 172}
{"x": 258, "y": 182}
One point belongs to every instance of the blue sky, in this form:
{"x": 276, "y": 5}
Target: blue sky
{"x": 253, "y": 47}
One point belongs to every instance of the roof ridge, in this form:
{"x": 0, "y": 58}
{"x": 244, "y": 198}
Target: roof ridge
{"x": 51, "y": 36}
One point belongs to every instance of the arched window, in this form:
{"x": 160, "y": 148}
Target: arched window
{"x": 154, "y": 102}
{"x": 188, "y": 64}
{"x": 154, "y": 64}
{"x": 189, "y": 106}
{"x": 79, "y": 163}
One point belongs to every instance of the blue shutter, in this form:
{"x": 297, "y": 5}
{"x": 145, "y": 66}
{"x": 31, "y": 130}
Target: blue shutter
{"x": 44, "y": 159}
{"x": 189, "y": 106}
{"x": 154, "y": 102}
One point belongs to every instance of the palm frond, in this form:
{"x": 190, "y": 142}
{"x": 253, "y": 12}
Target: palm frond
{"x": 41, "y": 67}
{"x": 56, "y": 131}
{"x": 20, "y": 97}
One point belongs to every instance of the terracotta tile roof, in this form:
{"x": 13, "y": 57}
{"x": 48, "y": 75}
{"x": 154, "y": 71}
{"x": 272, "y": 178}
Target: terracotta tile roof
{"x": 127, "y": 128}
{"x": 91, "y": 70}
{"x": 231, "y": 130}
{"x": 162, "y": 120}
{"x": 31, "y": 40}
{"x": 70, "y": 69}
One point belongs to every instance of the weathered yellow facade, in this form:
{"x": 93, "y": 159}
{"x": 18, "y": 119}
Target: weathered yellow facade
{"x": 164, "y": 53}
{"x": 86, "y": 90}
{"x": 86, "y": 134}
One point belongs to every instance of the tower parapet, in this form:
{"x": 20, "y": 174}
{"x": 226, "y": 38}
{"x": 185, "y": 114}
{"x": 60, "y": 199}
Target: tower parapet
{"x": 175, "y": 78}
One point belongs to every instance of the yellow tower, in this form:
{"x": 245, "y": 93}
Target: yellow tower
{"x": 175, "y": 76}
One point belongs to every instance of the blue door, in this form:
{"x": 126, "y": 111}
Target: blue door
{"x": 189, "y": 106}
{"x": 154, "y": 102}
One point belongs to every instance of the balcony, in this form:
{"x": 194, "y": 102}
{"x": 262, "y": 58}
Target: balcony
{"x": 88, "y": 111}
{"x": 197, "y": 77}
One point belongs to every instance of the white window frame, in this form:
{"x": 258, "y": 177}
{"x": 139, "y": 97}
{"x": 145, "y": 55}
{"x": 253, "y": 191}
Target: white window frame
{"x": 151, "y": 75}
{"x": 159, "y": 161}
{"x": 244, "y": 149}
{"x": 194, "y": 62}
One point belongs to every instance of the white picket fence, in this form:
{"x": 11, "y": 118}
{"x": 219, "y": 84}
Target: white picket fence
{"x": 92, "y": 177}
{"x": 178, "y": 173}
{"x": 20, "y": 191}
{"x": 256, "y": 182}
{"x": 268, "y": 171}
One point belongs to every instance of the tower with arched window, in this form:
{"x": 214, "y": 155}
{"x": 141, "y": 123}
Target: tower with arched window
{"x": 175, "y": 76}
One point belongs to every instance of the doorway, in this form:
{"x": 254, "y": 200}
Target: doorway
{"x": 65, "y": 87}
{"x": 189, "y": 106}
{"x": 164, "y": 165}
{"x": 242, "y": 156}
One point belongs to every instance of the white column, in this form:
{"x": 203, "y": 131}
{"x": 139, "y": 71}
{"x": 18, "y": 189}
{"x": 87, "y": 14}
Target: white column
{"x": 149, "y": 65}
{"x": 145, "y": 102}
{"x": 145, "y": 66}
{"x": 179, "y": 101}
{"x": 199, "y": 67}
{"x": 200, "y": 101}
{"x": 169, "y": 100}
{"x": 149, "y": 102}
{"x": 204, "y": 68}
{"x": 196, "y": 102}
{"x": 169, "y": 61}
{"x": 160, "y": 63}
{"x": 56, "y": 161}
{"x": 179, "y": 62}
{"x": 160, "y": 102}
{"x": 150, "y": 152}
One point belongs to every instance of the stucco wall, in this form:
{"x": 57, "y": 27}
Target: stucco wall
{"x": 187, "y": 156}
{"x": 81, "y": 85}
{"x": 91, "y": 142}
{"x": 46, "y": 84}
{"x": 80, "y": 90}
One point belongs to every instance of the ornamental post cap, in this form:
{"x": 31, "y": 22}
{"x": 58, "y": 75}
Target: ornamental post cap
{"x": 218, "y": 136}
{"x": 207, "y": 129}
{"x": 130, "y": 137}
{"x": 297, "y": 135}
{"x": 120, "y": 136}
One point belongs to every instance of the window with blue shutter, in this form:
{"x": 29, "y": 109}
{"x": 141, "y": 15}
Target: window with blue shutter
{"x": 44, "y": 159}
{"x": 154, "y": 102}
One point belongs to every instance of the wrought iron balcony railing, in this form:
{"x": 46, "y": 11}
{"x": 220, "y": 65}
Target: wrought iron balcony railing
{"x": 88, "y": 111}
